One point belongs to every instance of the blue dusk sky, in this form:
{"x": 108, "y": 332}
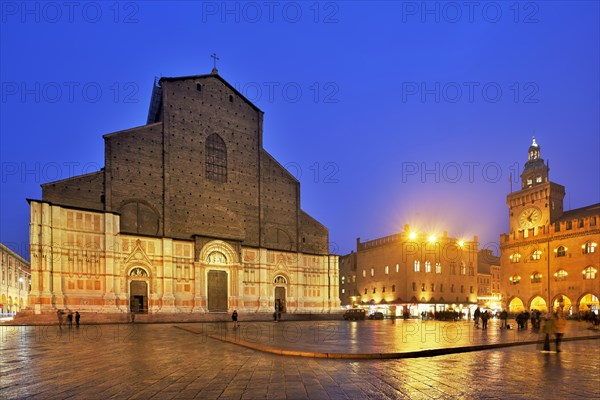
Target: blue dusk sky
{"x": 388, "y": 113}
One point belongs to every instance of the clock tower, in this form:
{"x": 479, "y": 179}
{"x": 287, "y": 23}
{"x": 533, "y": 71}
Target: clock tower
{"x": 539, "y": 202}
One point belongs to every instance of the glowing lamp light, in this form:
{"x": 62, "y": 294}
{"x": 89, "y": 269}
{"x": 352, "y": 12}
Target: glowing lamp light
{"x": 412, "y": 235}
{"x": 461, "y": 243}
{"x": 432, "y": 238}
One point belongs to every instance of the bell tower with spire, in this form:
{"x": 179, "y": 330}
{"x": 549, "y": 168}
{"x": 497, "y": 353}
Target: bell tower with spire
{"x": 535, "y": 171}
{"x": 539, "y": 202}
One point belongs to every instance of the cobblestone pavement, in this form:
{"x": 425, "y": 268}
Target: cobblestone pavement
{"x": 162, "y": 362}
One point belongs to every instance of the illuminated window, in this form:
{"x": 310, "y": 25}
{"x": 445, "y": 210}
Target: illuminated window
{"x": 515, "y": 279}
{"x": 372, "y": 271}
{"x": 536, "y": 255}
{"x": 397, "y": 268}
{"x": 538, "y": 179}
{"x": 463, "y": 268}
{"x": 536, "y": 277}
{"x": 471, "y": 271}
{"x": 438, "y": 268}
{"x": 417, "y": 266}
{"x": 343, "y": 280}
{"x": 387, "y": 269}
{"x": 516, "y": 257}
{"x": 560, "y": 275}
{"x": 589, "y": 273}
{"x": 364, "y": 273}
{"x": 589, "y": 247}
{"x": 422, "y": 287}
{"x": 561, "y": 251}
{"x": 343, "y": 291}
{"x": 427, "y": 266}
{"x": 216, "y": 159}
{"x": 529, "y": 181}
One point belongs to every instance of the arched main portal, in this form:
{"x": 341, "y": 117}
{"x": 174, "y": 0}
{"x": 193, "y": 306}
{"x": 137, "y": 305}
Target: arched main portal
{"x": 138, "y": 290}
{"x": 280, "y": 303}
{"x": 516, "y": 305}
{"x": 538, "y": 303}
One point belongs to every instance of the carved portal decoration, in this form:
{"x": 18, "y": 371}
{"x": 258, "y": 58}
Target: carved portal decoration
{"x": 138, "y": 272}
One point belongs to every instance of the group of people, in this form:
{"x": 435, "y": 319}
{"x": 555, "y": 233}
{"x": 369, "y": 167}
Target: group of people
{"x": 70, "y": 316}
{"x": 484, "y": 316}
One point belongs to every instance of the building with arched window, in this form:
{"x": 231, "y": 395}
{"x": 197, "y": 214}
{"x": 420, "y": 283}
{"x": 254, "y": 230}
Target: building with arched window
{"x": 549, "y": 258}
{"x": 190, "y": 214}
{"x": 14, "y": 282}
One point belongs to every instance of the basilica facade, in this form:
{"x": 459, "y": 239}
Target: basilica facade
{"x": 190, "y": 214}
{"x": 550, "y": 257}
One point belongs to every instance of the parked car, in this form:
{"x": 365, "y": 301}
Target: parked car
{"x": 376, "y": 315}
{"x": 355, "y": 314}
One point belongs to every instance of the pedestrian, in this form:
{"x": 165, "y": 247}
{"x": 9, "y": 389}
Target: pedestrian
{"x": 59, "y": 315}
{"x": 70, "y": 319}
{"x": 234, "y": 318}
{"x": 484, "y": 319}
{"x": 547, "y": 330}
{"x": 476, "y": 316}
{"x": 77, "y": 318}
{"x": 504, "y": 318}
{"x": 274, "y": 316}
{"x": 132, "y": 313}
{"x": 560, "y": 325}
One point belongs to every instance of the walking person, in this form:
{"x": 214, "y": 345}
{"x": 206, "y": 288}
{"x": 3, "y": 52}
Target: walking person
{"x": 77, "y": 318}
{"x": 547, "y": 330}
{"x": 476, "y": 316}
{"x": 484, "y": 319}
{"x": 234, "y": 318}
{"x": 59, "y": 315}
{"x": 70, "y": 319}
{"x": 560, "y": 325}
{"x": 504, "y": 318}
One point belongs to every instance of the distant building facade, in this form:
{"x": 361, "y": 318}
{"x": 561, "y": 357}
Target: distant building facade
{"x": 189, "y": 215}
{"x": 14, "y": 282}
{"x": 411, "y": 272}
{"x": 550, "y": 257}
{"x": 488, "y": 281}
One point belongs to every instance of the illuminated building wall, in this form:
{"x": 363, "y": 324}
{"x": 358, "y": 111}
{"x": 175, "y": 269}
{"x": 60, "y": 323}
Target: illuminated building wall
{"x": 411, "y": 267}
{"x": 550, "y": 256}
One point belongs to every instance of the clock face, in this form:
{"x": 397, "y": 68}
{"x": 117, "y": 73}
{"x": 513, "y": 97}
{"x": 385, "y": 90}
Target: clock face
{"x": 529, "y": 217}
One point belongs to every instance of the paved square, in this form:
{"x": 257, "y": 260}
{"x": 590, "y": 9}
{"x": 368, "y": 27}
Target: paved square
{"x": 164, "y": 362}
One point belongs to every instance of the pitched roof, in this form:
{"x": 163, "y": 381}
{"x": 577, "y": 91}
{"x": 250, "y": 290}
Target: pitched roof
{"x": 207, "y": 76}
